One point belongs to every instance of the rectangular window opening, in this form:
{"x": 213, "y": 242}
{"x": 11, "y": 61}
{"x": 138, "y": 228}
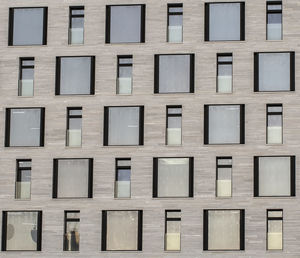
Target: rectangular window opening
{"x": 175, "y": 23}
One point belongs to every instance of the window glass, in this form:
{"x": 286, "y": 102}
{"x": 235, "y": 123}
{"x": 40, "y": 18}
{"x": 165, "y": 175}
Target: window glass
{"x": 274, "y": 20}
{"x": 224, "y": 171}
{"x": 174, "y": 117}
{"x": 274, "y": 124}
{"x": 274, "y": 229}
{"x": 71, "y": 234}
{"x": 175, "y": 22}
{"x": 172, "y": 230}
{"x": 224, "y": 73}
{"x": 76, "y": 29}
{"x": 26, "y": 77}
{"x": 23, "y": 179}
{"x": 74, "y": 124}
{"x": 123, "y": 178}
{"x": 124, "y": 76}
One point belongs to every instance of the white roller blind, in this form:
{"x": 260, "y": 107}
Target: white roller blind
{"x": 274, "y": 176}
{"x": 173, "y": 177}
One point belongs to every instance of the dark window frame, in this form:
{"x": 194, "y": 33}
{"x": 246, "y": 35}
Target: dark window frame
{"x": 156, "y": 73}
{"x": 217, "y": 173}
{"x": 166, "y": 227}
{"x": 224, "y": 63}
{"x": 58, "y": 72}
{"x": 292, "y": 176}
{"x": 172, "y": 115}
{"x": 66, "y": 220}
{"x": 104, "y": 231}
{"x": 267, "y": 224}
{"x": 19, "y": 172}
{"x": 7, "y": 127}
{"x": 242, "y": 21}
{"x": 69, "y": 116}
{"x": 107, "y": 23}
{"x": 55, "y": 179}
{"x": 117, "y": 167}
{"x": 11, "y": 25}
{"x": 270, "y": 113}
{"x": 39, "y": 230}
{"x": 155, "y": 178}
{"x": 129, "y": 64}
{"x": 21, "y": 67}
{"x": 268, "y": 3}
{"x": 169, "y": 13}
{"x": 71, "y": 15}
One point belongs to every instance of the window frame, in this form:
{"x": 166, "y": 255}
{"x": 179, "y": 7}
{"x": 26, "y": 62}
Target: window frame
{"x": 166, "y": 228}
{"x": 169, "y": 13}
{"x": 139, "y": 232}
{"x": 108, "y": 26}
{"x": 268, "y": 3}
{"x": 155, "y": 178}
{"x": 117, "y": 167}
{"x": 55, "y": 179}
{"x": 292, "y": 71}
{"x": 11, "y": 25}
{"x": 224, "y": 63}
{"x": 167, "y": 122}
{"x": 217, "y": 173}
{"x": 267, "y": 227}
{"x": 71, "y": 15}
{"x": 21, "y": 67}
{"x": 192, "y": 73}
{"x": 124, "y": 65}
{"x": 292, "y": 177}
{"x": 207, "y": 25}
{"x": 18, "y": 175}
{"x": 39, "y": 230}
{"x": 66, "y": 220}
{"x": 7, "y": 127}
{"x": 270, "y": 113}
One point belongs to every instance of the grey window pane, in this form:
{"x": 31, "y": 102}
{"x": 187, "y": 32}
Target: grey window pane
{"x": 274, "y": 71}
{"x": 274, "y": 18}
{"x": 274, "y": 108}
{"x": 75, "y": 123}
{"x": 25, "y": 127}
{"x": 28, "y": 26}
{"x": 224, "y": 21}
{"x": 75, "y": 75}
{"x": 78, "y": 22}
{"x": 225, "y": 70}
{"x": 174, "y": 73}
{"x": 123, "y": 126}
{"x": 274, "y": 120}
{"x": 125, "y": 24}
{"x": 125, "y": 71}
{"x": 175, "y": 20}
{"x": 27, "y": 74}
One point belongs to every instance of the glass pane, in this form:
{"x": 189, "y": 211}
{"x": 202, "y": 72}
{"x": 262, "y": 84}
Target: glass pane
{"x": 173, "y": 236}
{"x": 27, "y": 74}
{"x": 25, "y": 164}
{"x": 77, "y": 11}
{"x": 274, "y": 108}
{"x": 75, "y": 123}
{"x": 274, "y": 234}
{"x": 75, "y": 112}
{"x": 73, "y": 215}
{"x": 274, "y": 18}
{"x": 274, "y": 7}
{"x": 77, "y": 22}
{"x": 174, "y": 110}
{"x": 224, "y": 58}
{"x": 72, "y": 236}
{"x": 174, "y": 214}
{"x": 175, "y": 20}
{"x": 123, "y": 183}
{"x": 225, "y": 161}
{"x": 174, "y": 122}
{"x": 125, "y": 60}
{"x": 175, "y": 9}
{"x": 274, "y": 214}
{"x": 125, "y": 162}
{"x": 125, "y": 71}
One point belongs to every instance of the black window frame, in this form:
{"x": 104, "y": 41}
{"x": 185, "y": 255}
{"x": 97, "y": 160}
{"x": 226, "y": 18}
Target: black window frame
{"x": 224, "y": 63}
{"x": 55, "y": 179}
{"x": 7, "y": 127}
{"x": 292, "y": 71}
{"x": 205, "y": 229}
{"x": 292, "y": 176}
{"x": 166, "y": 227}
{"x": 69, "y": 116}
{"x": 39, "y": 230}
{"x": 156, "y": 73}
{"x": 267, "y": 225}
{"x": 271, "y": 113}
{"x": 117, "y": 167}
{"x": 107, "y": 23}
{"x": 139, "y": 231}
{"x": 172, "y": 115}
{"x": 217, "y": 173}
{"x": 71, "y": 15}
{"x": 11, "y": 25}
{"x": 19, "y": 173}
{"x": 169, "y": 13}
{"x": 242, "y": 21}
{"x": 58, "y": 72}
{"x": 119, "y": 64}
{"x": 66, "y": 220}
{"x": 106, "y": 125}
{"x": 21, "y": 67}
{"x": 268, "y": 3}
{"x": 155, "y": 178}
{"x": 206, "y": 124}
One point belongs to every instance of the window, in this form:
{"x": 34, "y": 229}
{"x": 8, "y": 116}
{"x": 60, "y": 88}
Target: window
{"x": 173, "y": 177}
{"x": 22, "y": 231}
{"x": 224, "y": 73}
{"x": 124, "y": 76}
{"x": 174, "y": 117}
{"x": 172, "y": 230}
{"x": 122, "y": 230}
{"x": 26, "y": 77}
{"x": 73, "y": 178}
{"x": 74, "y": 126}
{"x": 274, "y": 123}
{"x": 224, "y": 171}
{"x": 224, "y": 21}
{"x": 274, "y": 20}
{"x": 24, "y": 127}
{"x": 274, "y": 229}
{"x": 274, "y": 71}
{"x": 274, "y": 176}
{"x": 23, "y": 179}
{"x": 175, "y": 23}
{"x": 76, "y": 25}
{"x": 75, "y": 75}
{"x": 123, "y": 178}
{"x": 174, "y": 73}
{"x": 27, "y": 26}
{"x": 71, "y": 231}
{"x": 125, "y": 23}
{"x": 224, "y": 230}
{"x": 224, "y": 124}
{"x": 124, "y": 125}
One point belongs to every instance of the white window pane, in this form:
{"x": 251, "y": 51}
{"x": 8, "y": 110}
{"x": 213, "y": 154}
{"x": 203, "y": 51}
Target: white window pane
{"x": 275, "y": 235}
{"x": 224, "y": 21}
{"x": 72, "y": 179}
{"x": 274, "y": 176}
{"x": 122, "y": 230}
{"x": 173, "y": 177}
{"x": 224, "y": 230}
{"x": 274, "y": 71}
{"x": 173, "y": 236}
{"x": 224, "y": 124}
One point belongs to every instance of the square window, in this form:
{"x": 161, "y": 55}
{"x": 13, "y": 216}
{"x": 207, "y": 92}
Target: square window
{"x": 75, "y": 75}
{"x": 274, "y": 71}
{"x": 224, "y": 230}
{"x": 22, "y": 231}
{"x": 224, "y": 124}
{"x": 173, "y": 177}
{"x": 122, "y": 230}
{"x": 224, "y": 21}
{"x": 72, "y": 178}
{"x": 124, "y": 125}
{"x": 274, "y": 176}
{"x": 125, "y": 23}
{"x": 174, "y": 73}
{"x": 24, "y": 127}
{"x": 27, "y": 26}
{"x": 23, "y": 179}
